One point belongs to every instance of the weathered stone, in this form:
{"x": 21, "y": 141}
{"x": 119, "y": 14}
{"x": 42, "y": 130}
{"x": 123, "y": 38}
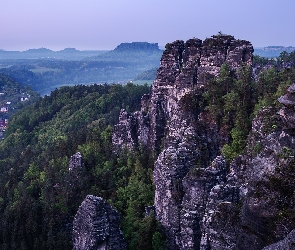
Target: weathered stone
{"x": 184, "y": 66}
{"x": 289, "y": 99}
{"x": 200, "y": 202}
{"x": 96, "y": 226}
{"x": 186, "y": 137}
{"x": 197, "y": 185}
{"x": 122, "y": 132}
{"x": 76, "y": 162}
{"x": 220, "y": 223}
{"x": 185, "y": 140}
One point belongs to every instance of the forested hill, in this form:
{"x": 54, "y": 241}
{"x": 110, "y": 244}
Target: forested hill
{"x": 38, "y": 195}
{"x": 13, "y": 96}
{"x": 122, "y": 64}
{"x": 12, "y": 90}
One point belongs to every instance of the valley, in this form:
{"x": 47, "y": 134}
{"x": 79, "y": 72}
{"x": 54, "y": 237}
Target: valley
{"x": 197, "y": 155}
{"x": 44, "y": 70}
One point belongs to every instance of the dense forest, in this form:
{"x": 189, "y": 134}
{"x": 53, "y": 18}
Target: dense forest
{"x": 234, "y": 102}
{"x": 39, "y": 196}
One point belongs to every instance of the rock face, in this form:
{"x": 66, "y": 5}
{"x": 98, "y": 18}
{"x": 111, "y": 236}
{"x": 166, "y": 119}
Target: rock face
{"x": 76, "y": 162}
{"x": 183, "y": 140}
{"x": 184, "y": 69}
{"x": 96, "y": 226}
{"x": 200, "y": 202}
{"x": 254, "y": 205}
{"x": 288, "y": 99}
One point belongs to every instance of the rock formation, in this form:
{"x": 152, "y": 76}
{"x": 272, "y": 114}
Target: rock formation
{"x": 200, "y": 202}
{"x": 182, "y": 139}
{"x": 76, "y": 162}
{"x": 96, "y": 226}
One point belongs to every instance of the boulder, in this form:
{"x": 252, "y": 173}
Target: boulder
{"x": 96, "y": 226}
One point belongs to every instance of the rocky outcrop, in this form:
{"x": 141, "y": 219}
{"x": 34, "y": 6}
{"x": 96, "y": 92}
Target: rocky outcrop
{"x": 201, "y": 202}
{"x": 133, "y": 129}
{"x": 186, "y": 141}
{"x": 124, "y": 132}
{"x": 96, "y": 226}
{"x": 255, "y": 206}
{"x": 197, "y": 185}
{"x": 185, "y": 67}
{"x": 288, "y": 99}
{"x": 76, "y": 162}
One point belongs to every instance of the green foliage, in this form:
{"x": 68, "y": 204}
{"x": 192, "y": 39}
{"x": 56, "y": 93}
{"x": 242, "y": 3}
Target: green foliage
{"x": 271, "y": 85}
{"x": 158, "y": 241}
{"x": 257, "y": 148}
{"x": 286, "y": 57}
{"x": 234, "y": 101}
{"x": 261, "y": 61}
{"x": 39, "y": 196}
{"x": 286, "y": 153}
{"x": 135, "y": 191}
{"x": 236, "y": 147}
{"x": 230, "y": 104}
{"x": 216, "y": 89}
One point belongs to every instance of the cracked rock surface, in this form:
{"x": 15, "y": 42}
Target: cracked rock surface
{"x": 96, "y": 226}
{"x": 201, "y": 202}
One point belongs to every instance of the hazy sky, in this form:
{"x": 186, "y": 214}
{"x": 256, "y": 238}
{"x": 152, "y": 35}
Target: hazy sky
{"x": 103, "y": 24}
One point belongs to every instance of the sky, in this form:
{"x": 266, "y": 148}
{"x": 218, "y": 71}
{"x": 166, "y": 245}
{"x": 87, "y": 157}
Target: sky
{"x": 104, "y": 24}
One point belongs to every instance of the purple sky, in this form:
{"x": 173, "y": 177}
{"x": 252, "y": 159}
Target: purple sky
{"x": 103, "y": 24}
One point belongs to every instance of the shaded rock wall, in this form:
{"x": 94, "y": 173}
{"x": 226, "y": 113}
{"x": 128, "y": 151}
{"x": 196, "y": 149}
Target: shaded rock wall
{"x": 184, "y": 69}
{"x": 255, "y": 206}
{"x": 201, "y": 203}
{"x": 183, "y": 139}
{"x": 96, "y": 226}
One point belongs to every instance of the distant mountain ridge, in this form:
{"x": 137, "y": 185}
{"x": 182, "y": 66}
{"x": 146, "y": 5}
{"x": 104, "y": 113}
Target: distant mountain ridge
{"x": 73, "y": 53}
{"x": 137, "y": 46}
{"x": 133, "y": 52}
{"x": 41, "y": 53}
{"x": 272, "y": 51}
{"x": 46, "y": 70}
